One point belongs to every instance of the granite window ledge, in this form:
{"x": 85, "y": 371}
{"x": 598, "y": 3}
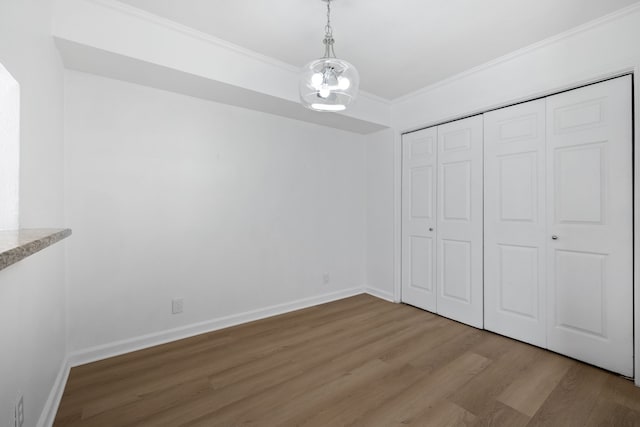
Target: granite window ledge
{"x": 16, "y": 245}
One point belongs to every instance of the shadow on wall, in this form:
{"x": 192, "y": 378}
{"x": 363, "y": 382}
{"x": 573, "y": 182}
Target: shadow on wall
{"x": 9, "y": 150}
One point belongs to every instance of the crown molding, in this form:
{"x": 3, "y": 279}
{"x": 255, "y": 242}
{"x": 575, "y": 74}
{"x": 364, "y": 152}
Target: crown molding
{"x": 621, "y": 13}
{"x": 372, "y": 97}
{"x": 191, "y": 32}
{"x": 208, "y": 38}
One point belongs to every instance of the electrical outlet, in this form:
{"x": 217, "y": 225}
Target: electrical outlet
{"x": 326, "y": 278}
{"x": 177, "y": 305}
{"x": 19, "y": 413}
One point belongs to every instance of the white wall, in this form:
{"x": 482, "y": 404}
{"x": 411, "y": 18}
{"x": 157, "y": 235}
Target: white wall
{"x": 589, "y": 52}
{"x": 32, "y": 291}
{"x": 380, "y": 211}
{"x": 230, "y": 209}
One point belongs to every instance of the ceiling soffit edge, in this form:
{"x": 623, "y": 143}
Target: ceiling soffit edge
{"x": 208, "y": 38}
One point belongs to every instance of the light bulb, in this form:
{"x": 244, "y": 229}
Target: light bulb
{"x": 324, "y": 92}
{"x": 316, "y": 80}
{"x": 328, "y": 84}
{"x": 343, "y": 83}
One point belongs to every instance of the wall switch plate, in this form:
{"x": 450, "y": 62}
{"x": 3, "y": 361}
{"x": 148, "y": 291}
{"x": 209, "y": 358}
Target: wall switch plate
{"x": 326, "y": 278}
{"x": 177, "y": 305}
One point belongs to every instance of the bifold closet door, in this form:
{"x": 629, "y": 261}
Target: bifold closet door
{"x": 589, "y": 224}
{"x": 419, "y": 151}
{"x": 515, "y": 218}
{"x": 459, "y": 221}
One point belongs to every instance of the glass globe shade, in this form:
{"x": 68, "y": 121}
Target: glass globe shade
{"x": 328, "y": 84}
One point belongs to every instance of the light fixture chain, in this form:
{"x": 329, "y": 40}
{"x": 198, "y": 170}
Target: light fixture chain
{"x": 328, "y": 35}
{"x": 328, "y": 31}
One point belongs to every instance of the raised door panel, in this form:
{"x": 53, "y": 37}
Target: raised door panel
{"x": 456, "y": 270}
{"x": 582, "y": 276}
{"x": 421, "y": 253}
{"x": 518, "y": 282}
{"x": 421, "y": 183}
{"x": 456, "y": 191}
{"x": 579, "y": 187}
{"x": 518, "y": 187}
{"x": 514, "y": 215}
{"x": 459, "y": 221}
{"x": 418, "y": 218}
{"x": 589, "y": 186}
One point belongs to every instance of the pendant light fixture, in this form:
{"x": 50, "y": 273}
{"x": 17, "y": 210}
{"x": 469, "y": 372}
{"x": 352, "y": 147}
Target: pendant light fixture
{"x": 328, "y": 83}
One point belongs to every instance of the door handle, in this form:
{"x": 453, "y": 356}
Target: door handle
{"x": 554, "y": 237}
{"x": 430, "y": 228}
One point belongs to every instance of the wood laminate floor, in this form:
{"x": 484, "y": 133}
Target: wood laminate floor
{"x": 359, "y": 361}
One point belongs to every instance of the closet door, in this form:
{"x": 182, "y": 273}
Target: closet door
{"x": 459, "y": 224}
{"x": 418, "y": 218}
{"x": 589, "y": 199}
{"x": 515, "y": 217}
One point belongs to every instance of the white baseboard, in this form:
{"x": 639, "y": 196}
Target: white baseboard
{"x": 380, "y": 294}
{"x": 48, "y": 414}
{"x": 145, "y": 341}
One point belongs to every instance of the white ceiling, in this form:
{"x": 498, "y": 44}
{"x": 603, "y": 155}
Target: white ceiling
{"x": 398, "y": 46}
